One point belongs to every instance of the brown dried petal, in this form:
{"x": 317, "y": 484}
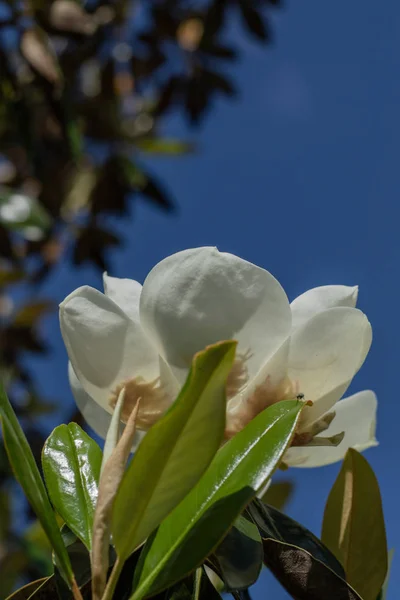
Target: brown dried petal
{"x": 110, "y": 479}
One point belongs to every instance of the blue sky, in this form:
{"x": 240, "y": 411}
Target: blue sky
{"x": 300, "y": 176}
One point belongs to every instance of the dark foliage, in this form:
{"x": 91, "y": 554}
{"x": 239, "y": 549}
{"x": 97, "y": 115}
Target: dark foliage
{"x": 83, "y": 95}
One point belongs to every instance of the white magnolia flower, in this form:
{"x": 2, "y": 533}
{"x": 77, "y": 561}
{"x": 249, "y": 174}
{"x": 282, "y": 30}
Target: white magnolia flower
{"x": 144, "y": 338}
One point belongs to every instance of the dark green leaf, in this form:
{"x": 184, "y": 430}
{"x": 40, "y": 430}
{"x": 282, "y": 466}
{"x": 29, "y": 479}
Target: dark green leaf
{"x": 8, "y": 276}
{"x": 275, "y": 525}
{"x": 143, "y": 183}
{"x": 80, "y": 561}
{"x": 28, "y": 590}
{"x": 384, "y": 590}
{"x": 240, "y": 469}
{"x": 27, "y": 473}
{"x": 28, "y": 314}
{"x": 71, "y": 464}
{"x": 354, "y": 527}
{"x": 164, "y": 146}
{"x": 278, "y": 494}
{"x": 12, "y": 563}
{"x": 168, "y": 463}
{"x": 303, "y": 576}
{"x": 253, "y": 20}
{"x": 203, "y": 589}
{"x": 92, "y": 244}
{"x": 240, "y": 555}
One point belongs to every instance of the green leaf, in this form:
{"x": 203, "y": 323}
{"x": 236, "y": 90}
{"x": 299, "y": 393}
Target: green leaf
{"x": 54, "y": 587}
{"x": 384, "y": 590}
{"x": 168, "y": 461}
{"x": 27, "y": 473}
{"x": 275, "y": 525}
{"x": 8, "y": 276}
{"x": 28, "y": 314}
{"x": 71, "y": 464}
{"x": 203, "y": 589}
{"x": 303, "y": 576}
{"x": 239, "y": 470}
{"x": 195, "y": 587}
{"x": 354, "y": 527}
{"x": 164, "y": 146}
{"x": 240, "y": 555}
{"x": 13, "y": 562}
{"x": 22, "y": 213}
{"x": 80, "y": 561}
{"x": 278, "y": 494}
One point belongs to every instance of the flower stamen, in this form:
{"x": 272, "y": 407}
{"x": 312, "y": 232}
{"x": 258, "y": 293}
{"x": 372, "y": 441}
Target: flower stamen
{"x": 153, "y": 400}
{"x": 238, "y": 375}
{"x": 263, "y": 396}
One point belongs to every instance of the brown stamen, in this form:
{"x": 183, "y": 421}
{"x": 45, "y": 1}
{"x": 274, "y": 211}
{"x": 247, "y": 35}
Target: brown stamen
{"x": 238, "y": 375}
{"x": 263, "y": 396}
{"x": 153, "y": 401}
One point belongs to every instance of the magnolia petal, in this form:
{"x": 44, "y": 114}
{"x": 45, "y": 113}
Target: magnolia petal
{"x": 326, "y": 352}
{"x": 104, "y": 345}
{"x": 201, "y": 296}
{"x": 95, "y": 416}
{"x": 356, "y": 416}
{"x": 319, "y": 299}
{"x": 125, "y": 293}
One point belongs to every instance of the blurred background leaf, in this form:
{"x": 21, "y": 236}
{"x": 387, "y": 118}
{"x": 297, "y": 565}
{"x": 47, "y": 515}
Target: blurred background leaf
{"x": 85, "y": 89}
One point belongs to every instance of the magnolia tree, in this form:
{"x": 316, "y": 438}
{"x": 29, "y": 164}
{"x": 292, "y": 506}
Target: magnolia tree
{"x": 212, "y": 381}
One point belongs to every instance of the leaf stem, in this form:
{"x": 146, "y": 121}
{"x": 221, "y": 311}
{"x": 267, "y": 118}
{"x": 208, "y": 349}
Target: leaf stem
{"x": 76, "y": 592}
{"x": 113, "y": 580}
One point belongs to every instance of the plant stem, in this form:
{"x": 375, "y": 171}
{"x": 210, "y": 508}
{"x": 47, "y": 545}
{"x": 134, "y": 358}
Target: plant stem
{"x": 76, "y": 592}
{"x": 113, "y": 580}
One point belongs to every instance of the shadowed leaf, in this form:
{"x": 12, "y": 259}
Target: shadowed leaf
{"x": 354, "y": 527}
{"x": 303, "y": 576}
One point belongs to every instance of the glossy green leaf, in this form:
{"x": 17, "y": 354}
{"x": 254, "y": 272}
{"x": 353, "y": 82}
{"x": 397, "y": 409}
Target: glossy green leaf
{"x": 240, "y": 555}
{"x": 71, "y": 464}
{"x": 240, "y": 469}
{"x": 303, "y": 576}
{"x": 27, "y": 473}
{"x": 175, "y": 452}
{"x": 275, "y": 525}
{"x": 354, "y": 527}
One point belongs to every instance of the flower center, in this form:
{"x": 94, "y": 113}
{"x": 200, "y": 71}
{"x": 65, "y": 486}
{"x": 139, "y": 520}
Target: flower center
{"x": 153, "y": 400}
{"x": 238, "y": 375}
{"x": 263, "y": 396}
